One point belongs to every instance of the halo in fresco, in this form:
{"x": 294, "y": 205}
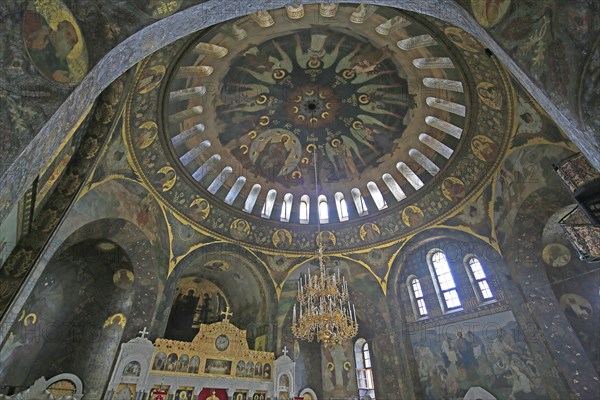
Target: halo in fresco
{"x": 489, "y": 12}
{"x": 556, "y": 255}
{"x": 123, "y": 279}
{"x": 54, "y": 42}
{"x": 576, "y": 306}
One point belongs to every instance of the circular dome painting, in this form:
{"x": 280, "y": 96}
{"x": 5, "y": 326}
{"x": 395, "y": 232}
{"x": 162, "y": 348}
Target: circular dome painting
{"x": 284, "y": 118}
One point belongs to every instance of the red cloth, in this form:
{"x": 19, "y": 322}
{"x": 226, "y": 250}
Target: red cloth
{"x": 207, "y": 392}
{"x": 158, "y": 395}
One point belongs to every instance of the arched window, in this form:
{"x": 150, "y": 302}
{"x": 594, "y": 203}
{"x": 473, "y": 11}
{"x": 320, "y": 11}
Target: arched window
{"x": 286, "y": 207}
{"x": 410, "y": 176}
{"x": 479, "y": 279}
{"x": 376, "y": 195}
{"x": 235, "y": 190}
{"x": 323, "y": 209}
{"x": 364, "y": 369}
{"x": 359, "y": 202}
{"x": 304, "y": 209}
{"x": 416, "y": 294}
{"x": 342, "y": 207}
{"x": 393, "y": 186}
{"x": 269, "y": 203}
{"x": 220, "y": 180}
{"x": 206, "y": 167}
{"x": 445, "y": 281}
{"x": 251, "y": 199}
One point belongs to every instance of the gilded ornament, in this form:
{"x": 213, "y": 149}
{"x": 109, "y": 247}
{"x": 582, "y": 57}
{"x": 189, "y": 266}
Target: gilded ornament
{"x": 166, "y": 177}
{"x": 328, "y": 10}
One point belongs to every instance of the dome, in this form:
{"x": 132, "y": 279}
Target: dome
{"x": 398, "y": 117}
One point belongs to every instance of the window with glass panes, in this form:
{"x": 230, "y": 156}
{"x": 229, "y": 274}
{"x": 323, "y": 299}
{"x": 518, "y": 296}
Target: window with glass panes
{"x": 445, "y": 280}
{"x": 480, "y": 279}
{"x": 421, "y": 308}
{"x": 366, "y": 354}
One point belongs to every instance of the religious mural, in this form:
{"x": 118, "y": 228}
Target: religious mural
{"x": 361, "y": 114}
{"x": 260, "y": 79}
{"x": 196, "y": 302}
{"x": 55, "y": 303}
{"x": 339, "y": 372}
{"x": 523, "y": 172}
{"x": 342, "y": 158}
{"x": 573, "y": 284}
{"x": 490, "y": 352}
{"x": 553, "y": 42}
{"x": 54, "y": 41}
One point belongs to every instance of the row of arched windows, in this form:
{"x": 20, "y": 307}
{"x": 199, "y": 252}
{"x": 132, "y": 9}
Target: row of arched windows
{"x": 445, "y": 285}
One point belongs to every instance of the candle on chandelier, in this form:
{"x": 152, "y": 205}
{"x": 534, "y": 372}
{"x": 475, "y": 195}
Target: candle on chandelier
{"x": 294, "y": 313}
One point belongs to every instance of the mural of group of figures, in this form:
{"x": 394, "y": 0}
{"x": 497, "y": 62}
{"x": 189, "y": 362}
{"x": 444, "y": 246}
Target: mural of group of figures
{"x": 488, "y": 352}
{"x": 251, "y": 370}
{"x": 363, "y": 106}
{"x": 190, "y": 310}
{"x": 174, "y": 363}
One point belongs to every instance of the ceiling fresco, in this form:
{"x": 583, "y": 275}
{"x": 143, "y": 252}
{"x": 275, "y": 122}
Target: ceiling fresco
{"x": 193, "y": 158}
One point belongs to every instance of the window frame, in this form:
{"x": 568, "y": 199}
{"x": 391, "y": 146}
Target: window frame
{"x": 304, "y": 216}
{"x": 475, "y": 282}
{"x": 414, "y": 299}
{"x": 364, "y": 373}
{"x": 436, "y": 283}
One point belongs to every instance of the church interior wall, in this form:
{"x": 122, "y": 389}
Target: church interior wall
{"x": 102, "y": 220}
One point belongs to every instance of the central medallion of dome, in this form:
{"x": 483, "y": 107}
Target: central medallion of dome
{"x": 314, "y": 88}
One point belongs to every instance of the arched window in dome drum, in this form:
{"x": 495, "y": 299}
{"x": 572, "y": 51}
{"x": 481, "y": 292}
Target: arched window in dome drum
{"x": 479, "y": 280}
{"x": 269, "y": 203}
{"x": 416, "y": 42}
{"x": 376, "y": 195}
{"x": 424, "y": 162}
{"x": 323, "y": 209}
{"x": 342, "y": 206}
{"x": 359, "y": 202}
{"x": 444, "y": 126}
{"x": 433, "y": 63}
{"x": 206, "y": 167}
{"x": 410, "y": 176}
{"x": 444, "y": 281}
{"x": 304, "y": 209}
{"x": 188, "y": 133}
{"x": 393, "y": 186}
{"x": 286, "y": 207}
{"x": 235, "y": 190}
{"x": 446, "y": 105}
{"x": 186, "y": 94}
{"x": 251, "y": 199}
{"x": 443, "y": 84}
{"x": 195, "y": 152}
{"x": 436, "y": 145}
{"x": 220, "y": 180}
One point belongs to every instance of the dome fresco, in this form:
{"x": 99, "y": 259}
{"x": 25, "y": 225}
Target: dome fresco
{"x": 406, "y": 117}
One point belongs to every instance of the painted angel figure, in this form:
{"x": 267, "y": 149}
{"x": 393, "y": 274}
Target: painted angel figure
{"x": 262, "y": 66}
{"x": 316, "y": 55}
{"x": 341, "y": 152}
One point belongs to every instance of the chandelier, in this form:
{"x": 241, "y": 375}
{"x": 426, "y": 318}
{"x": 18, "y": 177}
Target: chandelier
{"x": 323, "y": 309}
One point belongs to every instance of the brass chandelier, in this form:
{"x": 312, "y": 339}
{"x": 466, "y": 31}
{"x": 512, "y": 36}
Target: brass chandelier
{"x": 323, "y": 309}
